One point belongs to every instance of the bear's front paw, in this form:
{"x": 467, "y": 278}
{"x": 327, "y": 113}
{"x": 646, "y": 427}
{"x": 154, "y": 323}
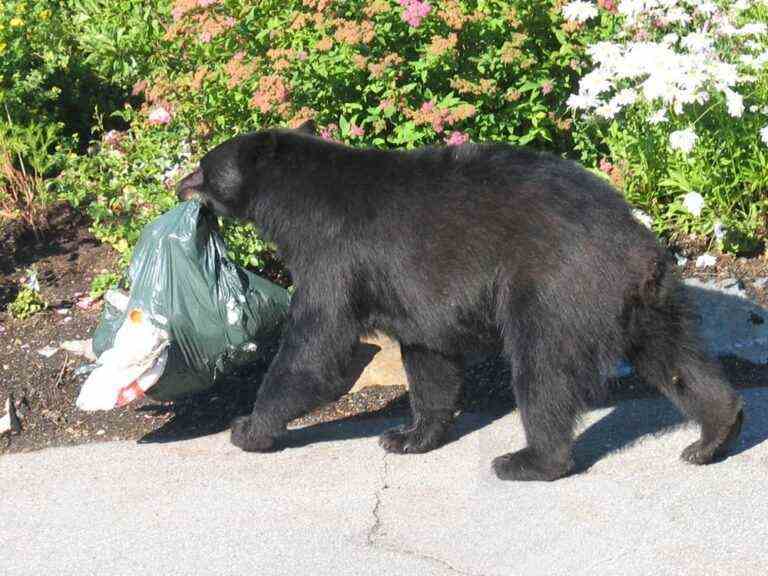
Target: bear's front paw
{"x": 242, "y": 436}
{"x": 524, "y": 465}
{"x": 412, "y": 440}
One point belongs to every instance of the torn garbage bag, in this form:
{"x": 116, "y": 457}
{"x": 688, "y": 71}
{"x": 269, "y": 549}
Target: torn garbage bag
{"x": 192, "y": 316}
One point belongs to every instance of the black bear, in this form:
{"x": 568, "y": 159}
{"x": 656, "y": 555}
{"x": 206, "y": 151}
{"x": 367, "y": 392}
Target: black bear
{"x": 446, "y": 249}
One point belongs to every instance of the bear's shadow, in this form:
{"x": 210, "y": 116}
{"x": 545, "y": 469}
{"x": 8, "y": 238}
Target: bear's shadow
{"x": 628, "y": 422}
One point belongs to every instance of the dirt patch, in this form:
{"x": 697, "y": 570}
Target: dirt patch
{"x": 45, "y": 389}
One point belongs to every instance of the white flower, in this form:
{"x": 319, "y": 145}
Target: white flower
{"x": 753, "y": 28}
{"x": 625, "y": 97}
{"x": 171, "y": 172}
{"x": 724, "y": 73}
{"x": 658, "y": 117}
{"x": 683, "y": 140}
{"x": 676, "y": 16}
{"x": 719, "y": 229}
{"x": 707, "y": 7}
{"x": 735, "y": 102}
{"x": 633, "y": 8}
{"x": 578, "y": 11}
{"x": 693, "y": 202}
{"x": 658, "y": 87}
{"x": 581, "y": 102}
{"x": 748, "y": 60}
{"x": 705, "y": 261}
{"x": 670, "y": 39}
{"x": 595, "y": 82}
{"x": 725, "y": 28}
{"x": 608, "y": 110}
{"x": 642, "y": 217}
{"x": 675, "y": 72}
{"x": 605, "y": 52}
{"x": 697, "y": 42}
{"x": 764, "y": 135}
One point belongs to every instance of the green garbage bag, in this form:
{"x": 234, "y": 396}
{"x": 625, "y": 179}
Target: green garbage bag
{"x": 220, "y": 318}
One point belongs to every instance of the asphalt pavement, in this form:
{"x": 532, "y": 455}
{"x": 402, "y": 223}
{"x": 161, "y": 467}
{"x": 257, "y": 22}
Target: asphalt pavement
{"x": 334, "y": 503}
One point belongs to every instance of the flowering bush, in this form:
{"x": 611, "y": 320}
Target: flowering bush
{"x": 679, "y": 97}
{"x": 125, "y": 181}
{"x": 61, "y": 63}
{"x": 605, "y": 81}
{"x": 370, "y": 72}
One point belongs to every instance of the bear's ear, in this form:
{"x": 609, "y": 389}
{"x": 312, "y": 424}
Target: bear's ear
{"x": 258, "y": 146}
{"x": 308, "y": 127}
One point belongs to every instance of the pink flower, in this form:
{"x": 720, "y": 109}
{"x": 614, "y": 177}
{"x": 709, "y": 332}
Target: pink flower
{"x": 159, "y": 115}
{"x": 355, "y": 130}
{"x": 609, "y": 5}
{"x": 206, "y": 3}
{"x": 414, "y": 11}
{"x": 139, "y": 87}
{"x": 386, "y": 103}
{"x": 546, "y": 88}
{"x": 328, "y": 132}
{"x": 427, "y": 107}
{"x": 457, "y": 138}
{"x": 113, "y": 138}
{"x": 605, "y": 166}
{"x": 301, "y": 55}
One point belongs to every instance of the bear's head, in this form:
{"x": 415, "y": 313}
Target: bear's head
{"x": 229, "y": 174}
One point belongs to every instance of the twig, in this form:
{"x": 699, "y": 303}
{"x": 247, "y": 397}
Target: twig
{"x": 61, "y": 372}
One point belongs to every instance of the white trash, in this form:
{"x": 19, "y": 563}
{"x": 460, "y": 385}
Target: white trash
{"x": 128, "y": 369}
{"x": 82, "y": 348}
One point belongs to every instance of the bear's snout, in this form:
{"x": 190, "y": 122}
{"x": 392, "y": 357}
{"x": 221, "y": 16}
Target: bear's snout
{"x": 191, "y": 186}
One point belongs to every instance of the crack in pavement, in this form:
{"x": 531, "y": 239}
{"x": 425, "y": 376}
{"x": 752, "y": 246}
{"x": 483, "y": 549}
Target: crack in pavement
{"x": 377, "y": 528}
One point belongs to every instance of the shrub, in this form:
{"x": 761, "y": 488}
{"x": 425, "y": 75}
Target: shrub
{"x": 27, "y": 303}
{"x": 60, "y": 61}
{"x": 676, "y": 108}
{"x": 103, "y": 282}
{"x": 125, "y": 181}
{"x": 27, "y": 160}
{"x": 406, "y": 73}
{"x": 371, "y": 73}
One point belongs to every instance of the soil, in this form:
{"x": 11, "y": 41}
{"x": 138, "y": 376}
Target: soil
{"x": 67, "y": 258}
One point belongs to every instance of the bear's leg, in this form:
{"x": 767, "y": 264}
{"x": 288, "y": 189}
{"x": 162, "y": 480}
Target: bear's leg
{"x": 309, "y": 370}
{"x": 698, "y": 388}
{"x": 665, "y": 349}
{"x": 434, "y": 383}
{"x": 548, "y": 403}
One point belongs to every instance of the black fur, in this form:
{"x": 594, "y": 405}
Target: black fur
{"x": 450, "y": 249}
